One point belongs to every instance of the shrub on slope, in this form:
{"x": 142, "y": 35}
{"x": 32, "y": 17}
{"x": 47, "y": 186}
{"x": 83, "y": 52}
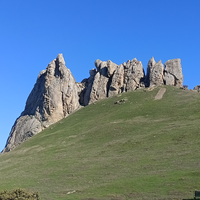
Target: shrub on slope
{"x": 18, "y": 194}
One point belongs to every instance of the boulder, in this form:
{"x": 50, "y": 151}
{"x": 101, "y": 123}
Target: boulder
{"x": 197, "y": 88}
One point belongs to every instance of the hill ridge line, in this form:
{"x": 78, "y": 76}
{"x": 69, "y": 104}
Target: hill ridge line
{"x": 56, "y": 94}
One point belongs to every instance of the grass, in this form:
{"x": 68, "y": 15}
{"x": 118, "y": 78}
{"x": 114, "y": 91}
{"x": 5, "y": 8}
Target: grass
{"x": 140, "y": 149}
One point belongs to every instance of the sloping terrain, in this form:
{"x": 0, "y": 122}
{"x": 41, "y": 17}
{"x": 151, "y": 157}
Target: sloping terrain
{"x": 129, "y": 146}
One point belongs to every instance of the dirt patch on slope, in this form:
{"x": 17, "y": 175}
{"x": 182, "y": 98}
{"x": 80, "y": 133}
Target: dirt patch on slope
{"x": 160, "y": 93}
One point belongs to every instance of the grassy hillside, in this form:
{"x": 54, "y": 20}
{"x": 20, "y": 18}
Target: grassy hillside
{"x": 140, "y": 149}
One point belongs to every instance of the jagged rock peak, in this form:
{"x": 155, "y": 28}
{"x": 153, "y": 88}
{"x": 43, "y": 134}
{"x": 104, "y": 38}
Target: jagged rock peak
{"x": 54, "y": 96}
{"x": 155, "y": 73}
{"x": 151, "y": 62}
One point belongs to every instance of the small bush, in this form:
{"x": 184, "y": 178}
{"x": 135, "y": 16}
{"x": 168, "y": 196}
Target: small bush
{"x": 18, "y": 194}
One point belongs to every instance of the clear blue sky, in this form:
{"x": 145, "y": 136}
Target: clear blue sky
{"x": 33, "y": 32}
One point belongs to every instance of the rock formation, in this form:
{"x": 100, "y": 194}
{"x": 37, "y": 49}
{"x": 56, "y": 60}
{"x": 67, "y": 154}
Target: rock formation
{"x": 197, "y": 88}
{"x": 110, "y": 79}
{"x": 173, "y": 73}
{"x": 133, "y": 75}
{"x": 54, "y": 96}
{"x": 155, "y": 73}
{"x": 56, "y": 93}
{"x": 117, "y": 84}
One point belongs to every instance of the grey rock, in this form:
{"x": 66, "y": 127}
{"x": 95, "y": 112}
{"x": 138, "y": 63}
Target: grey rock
{"x": 111, "y": 67}
{"x": 173, "y": 73}
{"x": 81, "y": 89}
{"x": 99, "y": 87}
{"x": 103, "y": 69}
{"x": 24, "y": 128}
{"x": 97, "y": 64}
{"x": 117, "y": 83}
{"x": 111, "y": 79}
{"x": 155, "y": 72}
{"x": 197, "y": 88}
{"x": 133, "y": 75}
{"x": 54, "y": 96}
{"x": 150, "y": 64}
{"x": 169, "y": 79}
{"x": 88, "y": 88}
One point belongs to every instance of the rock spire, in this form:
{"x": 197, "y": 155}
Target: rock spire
{"x": 56, "y": 93}
{"x": 54, "y": 96}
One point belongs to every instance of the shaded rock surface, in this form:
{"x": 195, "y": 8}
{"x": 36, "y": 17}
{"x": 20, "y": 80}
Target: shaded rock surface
{"x": 117, "y": 84}
{"x": 56, "y": 94}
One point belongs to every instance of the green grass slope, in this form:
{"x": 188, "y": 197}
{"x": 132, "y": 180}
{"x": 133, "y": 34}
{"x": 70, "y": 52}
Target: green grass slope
{"x": 141, "y": 149}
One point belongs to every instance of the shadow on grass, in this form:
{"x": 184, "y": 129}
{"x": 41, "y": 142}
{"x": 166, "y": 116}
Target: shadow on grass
{"x": 188, "y": 199}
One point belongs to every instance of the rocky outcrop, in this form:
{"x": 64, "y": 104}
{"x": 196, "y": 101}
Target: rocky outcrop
{"x": 100, "y": 82}
{"x": 110, "y": 79}
{"x": 111, "y": 68}
{"x": 170, "y": 75}
{"x": 56, "y": 94}
{"x": 133, "y": 75}
{"x": 155, "y": 73}
{"x": 173, "y": 73}
{"x": 117, "y": 84}
{"x": 197, "y": 88}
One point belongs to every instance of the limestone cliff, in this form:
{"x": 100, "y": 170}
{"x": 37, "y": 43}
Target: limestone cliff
{"x": 56, "y": 93}
{"x": 54, "y": 96}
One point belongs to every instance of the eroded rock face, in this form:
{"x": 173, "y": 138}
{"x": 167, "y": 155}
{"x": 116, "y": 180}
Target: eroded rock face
{"x": 99, "y": 86}
{"x": 24, "y": 127}
{"x": 98, "y": 83}
{"x": 133, "y": 75}
{"x": 54, "y": 96}
{"x": 111, "y": 67}
{"x": 173, "y": 73}
{"x": 197, "y": 88}
{"x": 155, "y": 72}
{"x": 111, "y": 79}
{"x": 117, "y": 84}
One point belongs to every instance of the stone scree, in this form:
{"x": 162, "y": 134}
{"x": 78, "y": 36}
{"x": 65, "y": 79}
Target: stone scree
{"x": 56, "y": 94}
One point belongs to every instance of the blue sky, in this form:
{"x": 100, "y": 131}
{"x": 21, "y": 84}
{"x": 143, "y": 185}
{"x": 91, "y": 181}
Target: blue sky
{"x": 33, "y": 33}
